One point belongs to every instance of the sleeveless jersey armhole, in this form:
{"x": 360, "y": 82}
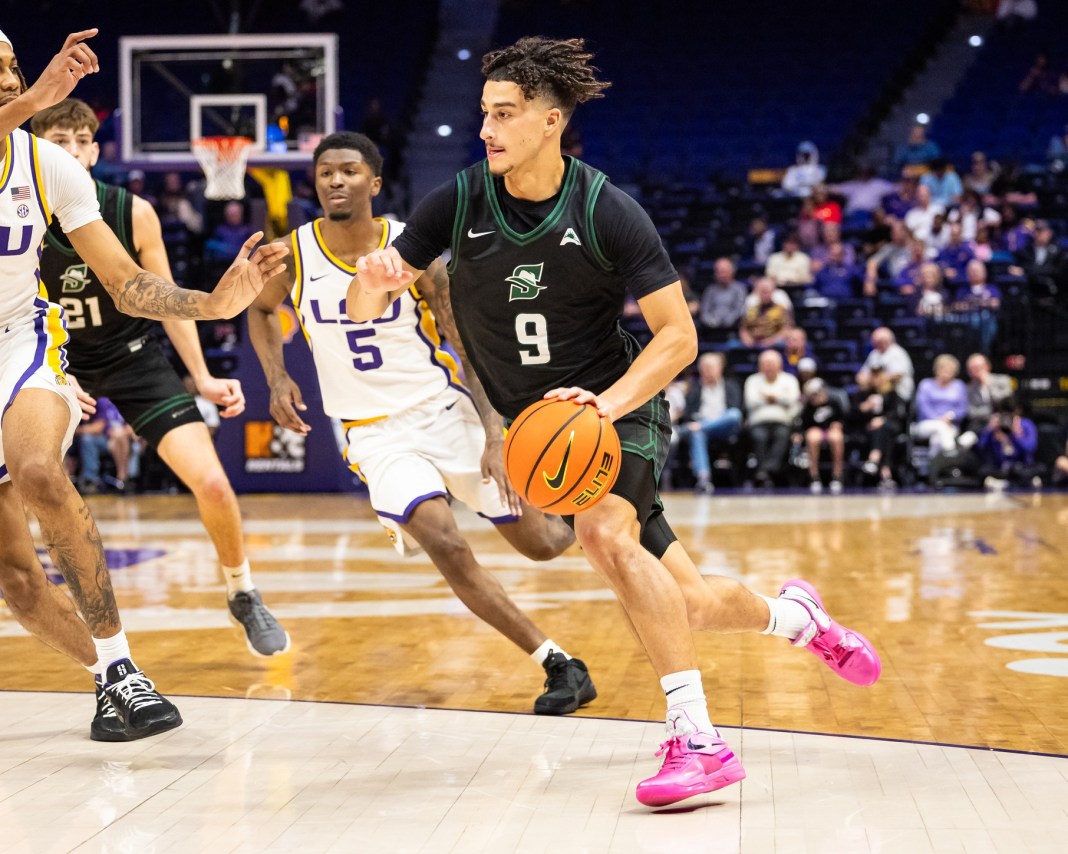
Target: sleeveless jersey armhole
{"x": 591, "y": 228}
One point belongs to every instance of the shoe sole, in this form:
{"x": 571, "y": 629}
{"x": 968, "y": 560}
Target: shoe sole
{"x": 108, "y": 735}
{"x": 720, "y": 780}
{"x": 583, "y": 698}
{"x": 811, "y": 591}
{"x": 155, "y": 729}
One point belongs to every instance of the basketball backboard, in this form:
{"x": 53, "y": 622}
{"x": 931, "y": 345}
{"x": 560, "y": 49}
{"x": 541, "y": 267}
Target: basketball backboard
{"x": 279, "y": 90}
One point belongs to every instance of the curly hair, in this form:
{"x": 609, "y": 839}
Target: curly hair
{"x": 558, "y": 69}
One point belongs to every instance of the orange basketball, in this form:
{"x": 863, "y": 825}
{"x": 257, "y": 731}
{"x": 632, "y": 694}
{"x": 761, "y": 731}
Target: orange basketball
{"x": 561, "y": 457}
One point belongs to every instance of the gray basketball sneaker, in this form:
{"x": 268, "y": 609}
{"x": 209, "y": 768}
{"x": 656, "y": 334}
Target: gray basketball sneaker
{"x": 265, "y": 637}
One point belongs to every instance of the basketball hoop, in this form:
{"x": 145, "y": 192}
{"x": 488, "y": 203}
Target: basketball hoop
{"x": 223, "y": 159}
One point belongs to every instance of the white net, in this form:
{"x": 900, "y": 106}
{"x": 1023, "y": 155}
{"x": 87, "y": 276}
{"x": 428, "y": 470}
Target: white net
{"x": 223, "y": 159}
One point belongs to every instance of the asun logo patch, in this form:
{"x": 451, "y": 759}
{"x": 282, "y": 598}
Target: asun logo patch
{"x": 75, "y": 278}
{"x": 570, "y": 237}
{"x": 524, "y": 281}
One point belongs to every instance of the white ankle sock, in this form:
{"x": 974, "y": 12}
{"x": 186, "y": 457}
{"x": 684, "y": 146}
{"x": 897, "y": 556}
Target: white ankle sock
{"x": 109, "y": 650}
{"x": 788, "y": 618}
{"x": 238, "y": 579}
{"x": 542, "y": 652}
{"x": 684, "y": 691}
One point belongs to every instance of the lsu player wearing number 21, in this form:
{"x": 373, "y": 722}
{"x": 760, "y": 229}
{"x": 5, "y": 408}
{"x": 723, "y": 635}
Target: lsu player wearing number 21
{"x": 415, "y": 434}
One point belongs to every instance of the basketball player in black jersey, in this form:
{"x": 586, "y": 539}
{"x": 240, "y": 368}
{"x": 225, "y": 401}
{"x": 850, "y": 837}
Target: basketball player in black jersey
{"x": 117, "y": 356}
{"x": 577, "y": 245}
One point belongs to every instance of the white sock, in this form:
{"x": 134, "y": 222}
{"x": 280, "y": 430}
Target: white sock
{"x": 238, "y": 579}
{"x": 684, "y": 691}
{"x": 542, "y": 652}
{"x": 110, "y": 650}
{"x": 788, "y": 618}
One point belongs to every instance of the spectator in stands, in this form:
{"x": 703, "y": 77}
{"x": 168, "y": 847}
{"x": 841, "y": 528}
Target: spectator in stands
{"x": 864, "y": 192}
{"x": 104, "y": 432}
{"x": 1043, "y": 262}
{"x": 675, "y": 395}
{"x": 982, "y": 247}
{"x": 982, "y": 174}
{"x": 713, "y": 413}
{"x": 941, "y": 405}
{"x": 919, "y": 149}
{"x": 790, "y": 267}
{"x": 838, "y": 279}
{"x": 693, "y": 301}
{"x": 824, "y": 208}
{"x": 883, "y": 413}
{"x": 920, "y": 219}
{"x": 229, "y": 235}
{"x": 955, "y": 255}
{"x": 174, "y": 205}
{"x": 1057, "y": 151}
{"x": 806, "y": 172}
{"x": 769, "y": 313}
{"x": 1006, "y": 449}
{"x": 135, "y": 183}
{"x": 761, "y": 241}
{"x": 971, "y": 213}
{"x": 903, "y": 199}
{"x": 943, "y": 182}
{"x": 806, "y": 370}
{"x": 888, "y": 356}
{"x": 795, "y": 347}
{"x": 986, "y": 390}
{"x": 908, "y": 277}
{"x": 723, "y": 301}
{"x": 1015, "y": 233}
{"x": 830, "y": 233}
{"x": 771, "y": 401}
{"x": 930, "y": 300}
{"x": 822, "y": 418}
{"x": 889, "y": 259}
{"x": 978, "y": 303}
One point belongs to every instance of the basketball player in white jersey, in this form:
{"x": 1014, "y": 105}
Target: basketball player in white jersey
{"x": 39, "y": 411}
{"x": 413, "y": 430}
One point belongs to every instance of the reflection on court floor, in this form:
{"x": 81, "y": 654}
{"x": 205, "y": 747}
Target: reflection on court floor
{"x": 963, "y": 595}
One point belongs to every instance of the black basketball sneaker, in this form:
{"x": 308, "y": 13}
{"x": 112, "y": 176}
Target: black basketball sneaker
{"x": 106, "y": 725}
{"x": 567, "y": 686}
{"x": 142, "y": 710}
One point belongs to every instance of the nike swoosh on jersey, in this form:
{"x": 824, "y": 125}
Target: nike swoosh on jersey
{"x": 557, "y": 480}
{"x": 317, "y": 278}
{"x": 472, "y": 233}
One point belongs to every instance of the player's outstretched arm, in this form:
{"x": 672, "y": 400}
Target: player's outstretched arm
{"x": 265, "y": 333}
{"x": 139, "y": 293}
{"x": 435, "y": 289}
{"x": 382, "y": 276}
{"x": 75, "y": 60}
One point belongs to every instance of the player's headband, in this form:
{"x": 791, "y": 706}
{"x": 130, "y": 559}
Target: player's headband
{"x": 4, "y": 38}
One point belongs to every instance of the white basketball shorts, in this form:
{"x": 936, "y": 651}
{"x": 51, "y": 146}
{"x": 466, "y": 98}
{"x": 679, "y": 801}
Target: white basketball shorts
{"x": 434, "y": 449}
{"x": 32, "y": 356}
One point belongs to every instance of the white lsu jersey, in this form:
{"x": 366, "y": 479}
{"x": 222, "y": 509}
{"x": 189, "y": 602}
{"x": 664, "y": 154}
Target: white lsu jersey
{"x": 371, "y": 370}
{"x": 37, "y": 178}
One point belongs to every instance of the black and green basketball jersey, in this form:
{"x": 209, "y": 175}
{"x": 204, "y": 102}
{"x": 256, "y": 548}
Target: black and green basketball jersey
{"x": 539, "y": 309}
{"x": 95, "y": 325}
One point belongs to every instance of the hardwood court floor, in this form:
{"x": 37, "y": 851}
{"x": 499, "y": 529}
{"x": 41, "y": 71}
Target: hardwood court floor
{"x": 964, "y": 597}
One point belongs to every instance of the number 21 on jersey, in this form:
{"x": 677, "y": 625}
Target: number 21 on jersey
{"x": 532, "y": 332}
{"x": 76, "y": 310}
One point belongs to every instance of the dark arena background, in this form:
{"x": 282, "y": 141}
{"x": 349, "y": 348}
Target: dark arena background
{"x": 867, "y": 207}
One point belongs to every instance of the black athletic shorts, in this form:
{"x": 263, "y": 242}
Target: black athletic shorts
{"x": 146, "y": 390}
{"x": 644, "y": 438}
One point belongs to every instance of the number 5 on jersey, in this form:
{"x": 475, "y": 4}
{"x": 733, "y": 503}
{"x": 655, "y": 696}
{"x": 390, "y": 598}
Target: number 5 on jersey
{"x": 531, "y": 331}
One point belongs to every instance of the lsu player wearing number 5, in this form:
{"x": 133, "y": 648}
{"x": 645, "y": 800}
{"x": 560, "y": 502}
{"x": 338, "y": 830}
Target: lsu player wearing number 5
{"x": 415, "y": 434}
{"x": 117, "y": 356}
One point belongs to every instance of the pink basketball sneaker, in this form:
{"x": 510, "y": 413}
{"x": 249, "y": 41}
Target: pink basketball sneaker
{"x": 846, "y": 652}
{"x": 694, "y": 763}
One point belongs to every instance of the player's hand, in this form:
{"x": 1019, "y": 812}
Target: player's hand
{"x": 382, "y": 271}
{"x": 85, "y": 400}
{"x": 286, "y": 401}
{"x": 493, "y": 469}
{"x": 605, "y": 408}
{"x": 225, "y": 393}
{"x": 242, "y": 283}
{"x": 74, "y": 60}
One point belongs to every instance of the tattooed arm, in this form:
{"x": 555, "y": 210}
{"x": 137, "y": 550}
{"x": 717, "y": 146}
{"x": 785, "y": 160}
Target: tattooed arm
{"x": 434, "y": 285}
{"x": 140, "y": 293}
